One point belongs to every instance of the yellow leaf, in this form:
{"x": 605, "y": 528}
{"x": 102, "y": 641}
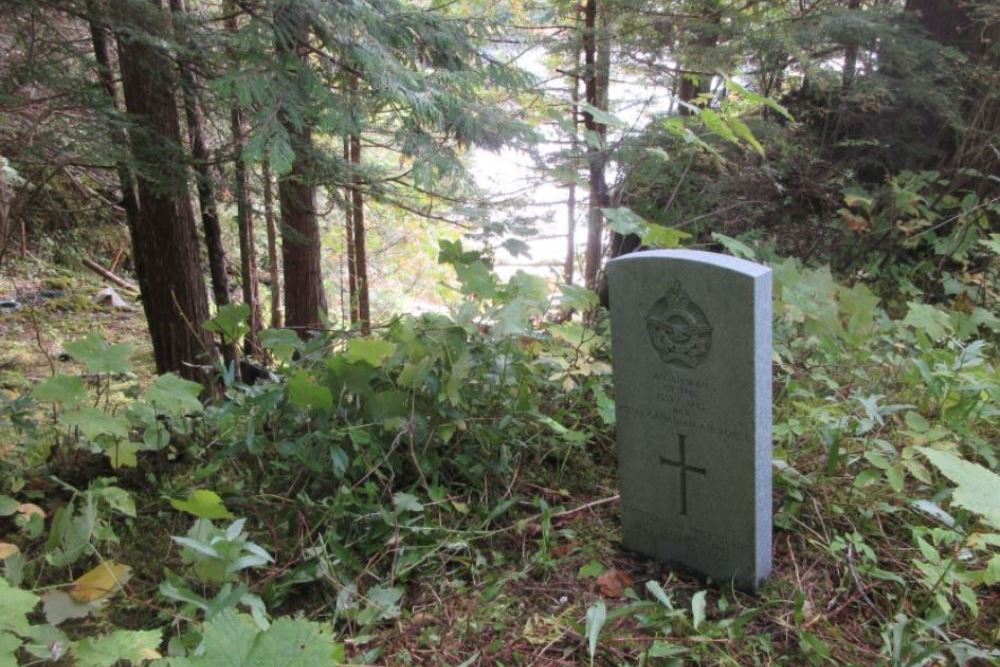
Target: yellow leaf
{"x": 7, "y": 550}
{"x": 149, "y": 654}
{"x": 102, "y": 581}
{"x": 27, "y": 509}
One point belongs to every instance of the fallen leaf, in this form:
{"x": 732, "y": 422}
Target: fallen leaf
{"x": 7, "y": 550}
{"x": 27, "y": 509}
{"x": 100, "y": 582}
{"x": 613, "y": 583}
{"x": 565, "y": 549}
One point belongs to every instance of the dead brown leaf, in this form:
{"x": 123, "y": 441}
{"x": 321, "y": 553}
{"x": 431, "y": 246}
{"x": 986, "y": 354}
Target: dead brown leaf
{"x": 612, "y": 584}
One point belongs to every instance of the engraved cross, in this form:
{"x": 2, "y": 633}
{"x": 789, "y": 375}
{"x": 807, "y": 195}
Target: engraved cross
{"x": 683, "y": 468}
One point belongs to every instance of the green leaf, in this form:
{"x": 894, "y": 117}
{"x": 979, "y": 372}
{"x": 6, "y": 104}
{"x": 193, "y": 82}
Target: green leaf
{"x": 624, "y": 221}
{"x": 591, "y": 570}
{"x": 123, "y": 454}
{"x": 8, "y": 647}
{"x": 203, "y": 504}
{"x": 283, "y": 343}
{"x": 174, "y": 395}
{"x": 476, "y": 279}
{"x": 383, "y": 605}
{"x": 8, "y": 505}
{"x": 978, "y": 487}
{"x": 405, "y": 502}
{"x": 656, "y": 590}
{"x": 371, "y": 351}
{"x": 577, "y": 297}
{"x": 304, "y": 392}
{"x": 67, "y": 390}
{"x": 605, "y": 407}
{"x": 93, "y": 422}
{"x": 230, "y": 321}
{"x": 658, "y": 236}
{"x": 134, "y": 646}
{"x": 928, "y": 319}
{"x": 993, "y": 243}
{"x": 100, "y": 357}
{"x": 741, "y": 130}
{"x": 698, "y": 608}
{"x": 736, "y": 248}
{"x": 596, "y": 616}
{"x": 662, "y": 649}
{"x": 15, "y": 605}
{"x": 716, "y": 124}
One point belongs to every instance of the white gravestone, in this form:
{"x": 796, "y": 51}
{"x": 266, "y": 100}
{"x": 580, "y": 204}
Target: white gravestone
{"x": 691, "y": 343}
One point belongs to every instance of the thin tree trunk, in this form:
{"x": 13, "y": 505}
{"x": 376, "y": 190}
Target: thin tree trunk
{"x": 352, "y": 264}
{"x": 571, "y": 202}
{"x": 272, "y": 244}
{"x": 164, "y": 240}
{"x": 202, "y": 159}
{"x": 595, "y": 154}
{"x": 305, "y": 301}
{"x": 360, "y": 258}
{"x": 850, "y": 54}
{"x": 244, "y": 216}
{"x": 102, "y": 54}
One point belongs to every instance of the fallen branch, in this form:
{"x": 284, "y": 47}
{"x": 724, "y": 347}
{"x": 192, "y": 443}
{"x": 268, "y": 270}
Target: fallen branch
{"x": 107, "y": 275}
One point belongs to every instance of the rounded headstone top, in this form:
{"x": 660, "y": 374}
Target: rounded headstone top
{"x": 728, "y": 262}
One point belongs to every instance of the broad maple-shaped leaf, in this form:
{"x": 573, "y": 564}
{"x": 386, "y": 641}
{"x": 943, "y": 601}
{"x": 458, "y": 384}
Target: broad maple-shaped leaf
{"x": 100, "y": 357}
{"x": 233, "y": 640}
{"x": 15, "y": 605}
{"x": 174, "y": 395}
{"x": 67, "y": 390}
{"x": 371, "y": 351}
{"x": 133, "y": 646}
{"x": 304, "y": 392}
{"x": 93, "y": 422}
{"x": 978, "y": 487}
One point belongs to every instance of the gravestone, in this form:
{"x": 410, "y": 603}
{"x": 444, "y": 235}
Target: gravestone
{"x": 691, "y": 341}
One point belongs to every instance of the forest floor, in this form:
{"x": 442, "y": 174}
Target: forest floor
{"x": 524, "y": 594}
{"x": 56, "y": 305}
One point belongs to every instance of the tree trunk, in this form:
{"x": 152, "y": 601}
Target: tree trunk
{"x": 244, "y": 216}
{"x": 360, "y": 257}
{"x": 305, "y": 301}
{"x": 272, "y": 243}
{"x": 164, "y": 241}
{"x": 202, "y": 158}
{"x": 596, "y": 156}
{"x": 850, "y": 54}
{"x": 102, "y": 54}
{"x": 571, "y": 199}
{"x": 352, "y": 265}
{"x": 203, "y": 177}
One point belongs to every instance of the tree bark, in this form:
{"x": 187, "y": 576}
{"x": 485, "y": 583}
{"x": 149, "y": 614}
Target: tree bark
{"x": 850, "y": 54}
{"x": 596, "y": 156}
{"x": 571, "y": 199}
{"x": 202, "y": 158}
{"x": 244, "y": 216}
{"x": 305, "y": 301}
{"x": 164, "y": 241}
{"x": 102, "y": 54}
{"x": 272, "y": 244}
{"x": 360, "y": 256}
{"x": 352, "y": 265}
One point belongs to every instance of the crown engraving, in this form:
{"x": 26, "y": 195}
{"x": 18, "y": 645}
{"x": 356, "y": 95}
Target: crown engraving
{"x": 678, "y": 329}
